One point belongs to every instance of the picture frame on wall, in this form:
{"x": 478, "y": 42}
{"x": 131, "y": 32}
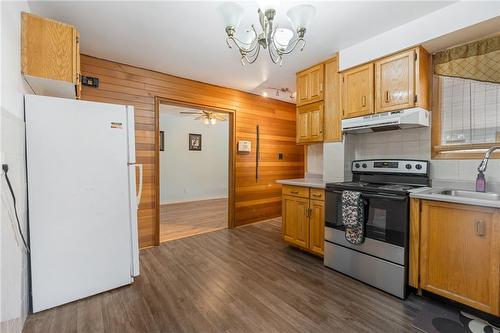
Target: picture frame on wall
{"x": 162, "y": 140}
{"x": 195, "y": 142}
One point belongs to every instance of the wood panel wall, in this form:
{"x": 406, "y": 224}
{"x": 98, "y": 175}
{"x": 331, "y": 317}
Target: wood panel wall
{"x": 254, "y": 200}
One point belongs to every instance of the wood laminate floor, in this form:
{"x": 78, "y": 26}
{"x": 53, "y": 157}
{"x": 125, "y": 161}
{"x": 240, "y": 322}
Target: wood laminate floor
{"x": 233, "y": 280}
{"x": 186, "y": 219}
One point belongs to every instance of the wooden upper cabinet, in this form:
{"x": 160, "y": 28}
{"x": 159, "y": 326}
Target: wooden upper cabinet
{"x": 401, "y": 81}
{"x": 310, "y": 85}
{"x": 460, "y": 253}
{"x": 332, "y": 109}
{"x": 50, "y": 56}
{"x": 357, "y": 91}
{"x": 302, "y": 88}
{"x": 395, "y": 82}
{"x": 310, "y": 123}
{"x": 316, "y": 83}
{"x": 303, "y": 126}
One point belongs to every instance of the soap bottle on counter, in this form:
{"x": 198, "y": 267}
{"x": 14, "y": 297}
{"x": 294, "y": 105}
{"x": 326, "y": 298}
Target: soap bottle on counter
{"x": 480, "y": 182}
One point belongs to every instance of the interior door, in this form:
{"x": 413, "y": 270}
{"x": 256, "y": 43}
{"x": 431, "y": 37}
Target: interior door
{"x": 317, "y": 226}
{"x": 302, "y": 88}
{"x": 357, "y": 91}
{"x": 296, "y": 220}
{"x": 460, "y": 253}
{"x": 395, "y": 82}
{"x": 315, "y": 90}
{"x": 303, "y": 125}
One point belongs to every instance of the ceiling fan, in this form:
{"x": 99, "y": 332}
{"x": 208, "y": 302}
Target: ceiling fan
{"x": 208, "y": 117}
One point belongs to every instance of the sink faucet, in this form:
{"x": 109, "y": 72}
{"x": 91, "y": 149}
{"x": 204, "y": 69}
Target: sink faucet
{"x": 484, "y": 163}
{"x": 480, "y": 180}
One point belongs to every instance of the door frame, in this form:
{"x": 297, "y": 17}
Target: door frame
{"x": 231, "y": 156}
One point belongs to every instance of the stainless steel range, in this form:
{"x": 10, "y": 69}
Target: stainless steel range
{"x": 382, "y": 259}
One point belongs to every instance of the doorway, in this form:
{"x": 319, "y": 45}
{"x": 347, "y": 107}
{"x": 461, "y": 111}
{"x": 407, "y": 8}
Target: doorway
{"x": 195, "y": 176}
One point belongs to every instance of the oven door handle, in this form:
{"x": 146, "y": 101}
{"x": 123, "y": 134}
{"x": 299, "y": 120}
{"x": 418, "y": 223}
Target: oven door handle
{"x": 384, "y": 196}
{"x": 376, "y": 196}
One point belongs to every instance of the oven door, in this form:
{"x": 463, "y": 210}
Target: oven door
{"x": 386, "y": 215}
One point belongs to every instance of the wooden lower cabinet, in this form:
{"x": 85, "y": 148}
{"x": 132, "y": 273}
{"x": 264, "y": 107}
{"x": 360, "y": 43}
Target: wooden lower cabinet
{"x": 296, "y": 213}
{"x": 317, "y": 226}
{"x": 459, "y": 253}
{"x": 303, "y": 218}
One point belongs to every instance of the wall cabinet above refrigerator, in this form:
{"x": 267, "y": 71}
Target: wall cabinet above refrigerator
{"x": 50, "y": 56}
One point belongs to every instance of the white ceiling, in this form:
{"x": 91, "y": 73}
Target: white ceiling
{"x": 187, "y": 39}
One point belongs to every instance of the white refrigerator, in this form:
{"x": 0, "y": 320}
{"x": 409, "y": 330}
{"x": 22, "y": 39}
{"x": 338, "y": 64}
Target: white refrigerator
{"x": 82, "y": 198}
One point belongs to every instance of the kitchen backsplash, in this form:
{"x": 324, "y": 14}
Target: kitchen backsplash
{"x": 410, "y": 143}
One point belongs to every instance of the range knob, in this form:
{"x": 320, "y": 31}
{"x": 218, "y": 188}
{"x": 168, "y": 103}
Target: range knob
{"x": 408, "y": 166}
{"x": 356, "y": 165}
{"x": 364, "y": 165}
{"x": 418, "y": 166}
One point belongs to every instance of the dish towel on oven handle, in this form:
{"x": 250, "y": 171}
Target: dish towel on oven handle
{"x": 353, "y": 217}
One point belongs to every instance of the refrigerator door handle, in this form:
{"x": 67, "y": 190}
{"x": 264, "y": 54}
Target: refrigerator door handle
{"x": 139, "y": 193}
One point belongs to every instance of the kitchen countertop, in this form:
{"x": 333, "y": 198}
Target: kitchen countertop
{"x": 432, "y": 193}
{"x": 316, "y": 182}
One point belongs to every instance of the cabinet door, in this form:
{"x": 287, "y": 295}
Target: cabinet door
{"x": 302, "y": 88}
{"x": 332, "y": 112}
{"x": 460, "y": 253}
{"x": 317, "y": 226}
{"x": 316, "y": 120}
{"x": 395, "y": 82}
{"x": 315, "y": 89}
{"x": 357, "y": 91}
{"x": 303, "y": 125}
{"x": 296, "y": 221}
{"x": 48, "y": 49}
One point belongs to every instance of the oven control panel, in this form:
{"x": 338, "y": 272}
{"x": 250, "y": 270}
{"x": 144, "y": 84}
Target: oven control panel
{"x": 391, "y": 166}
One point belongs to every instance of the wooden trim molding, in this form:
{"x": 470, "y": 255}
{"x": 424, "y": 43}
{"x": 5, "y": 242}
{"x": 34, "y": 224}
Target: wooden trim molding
{"x": 231, "y": 161}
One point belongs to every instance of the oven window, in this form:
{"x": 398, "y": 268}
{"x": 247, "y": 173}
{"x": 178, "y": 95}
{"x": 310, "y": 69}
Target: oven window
{"x": 386, "y": 216}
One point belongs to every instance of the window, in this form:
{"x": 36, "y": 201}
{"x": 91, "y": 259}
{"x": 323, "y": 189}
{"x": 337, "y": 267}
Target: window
{"x": 469, "y": 111}
{"x": 466, "y": 100}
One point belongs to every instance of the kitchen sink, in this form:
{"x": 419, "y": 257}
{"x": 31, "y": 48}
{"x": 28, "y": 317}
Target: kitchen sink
{"x": 471, "y": 194}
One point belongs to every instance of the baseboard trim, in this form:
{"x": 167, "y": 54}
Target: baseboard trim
{"x": 192, "y": 200}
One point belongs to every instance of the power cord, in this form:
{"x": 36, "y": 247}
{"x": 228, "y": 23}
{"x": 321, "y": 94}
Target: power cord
{"x": 5, "y": 168}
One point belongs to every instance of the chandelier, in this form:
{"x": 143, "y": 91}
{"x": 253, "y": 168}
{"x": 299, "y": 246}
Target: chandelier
{"x": 277, "y": 40}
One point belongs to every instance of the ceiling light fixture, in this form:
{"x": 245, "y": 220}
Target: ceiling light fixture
{"x": 281, "y": 90}
{"x": 278, "y": 41}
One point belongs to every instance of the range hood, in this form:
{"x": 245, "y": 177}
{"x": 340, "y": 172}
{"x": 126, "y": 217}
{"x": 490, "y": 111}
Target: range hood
{"x": 387, "y": 121}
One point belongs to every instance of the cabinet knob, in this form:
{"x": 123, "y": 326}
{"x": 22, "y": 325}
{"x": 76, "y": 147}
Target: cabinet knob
{"x": 480, "y": 229}
{"x": 294, "y": 192}
{"x": 387, "y": 96}
{"x": 363, "y": 101}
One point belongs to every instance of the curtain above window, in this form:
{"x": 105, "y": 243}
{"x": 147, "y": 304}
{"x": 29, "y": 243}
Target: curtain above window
{"x": 478, "y": 60}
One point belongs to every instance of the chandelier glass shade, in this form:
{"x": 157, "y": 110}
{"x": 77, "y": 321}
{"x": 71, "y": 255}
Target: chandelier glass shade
{"x": 278, "y": 41}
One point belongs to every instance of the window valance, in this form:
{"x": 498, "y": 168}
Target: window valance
{"x": 478, "y": 60}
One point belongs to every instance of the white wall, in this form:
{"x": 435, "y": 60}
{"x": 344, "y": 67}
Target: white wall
{"x": 192, "y": 175}
{"x": 13, "y": 260}
{"x": 314, "y": 159}
{"x": 439, "y": 23}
